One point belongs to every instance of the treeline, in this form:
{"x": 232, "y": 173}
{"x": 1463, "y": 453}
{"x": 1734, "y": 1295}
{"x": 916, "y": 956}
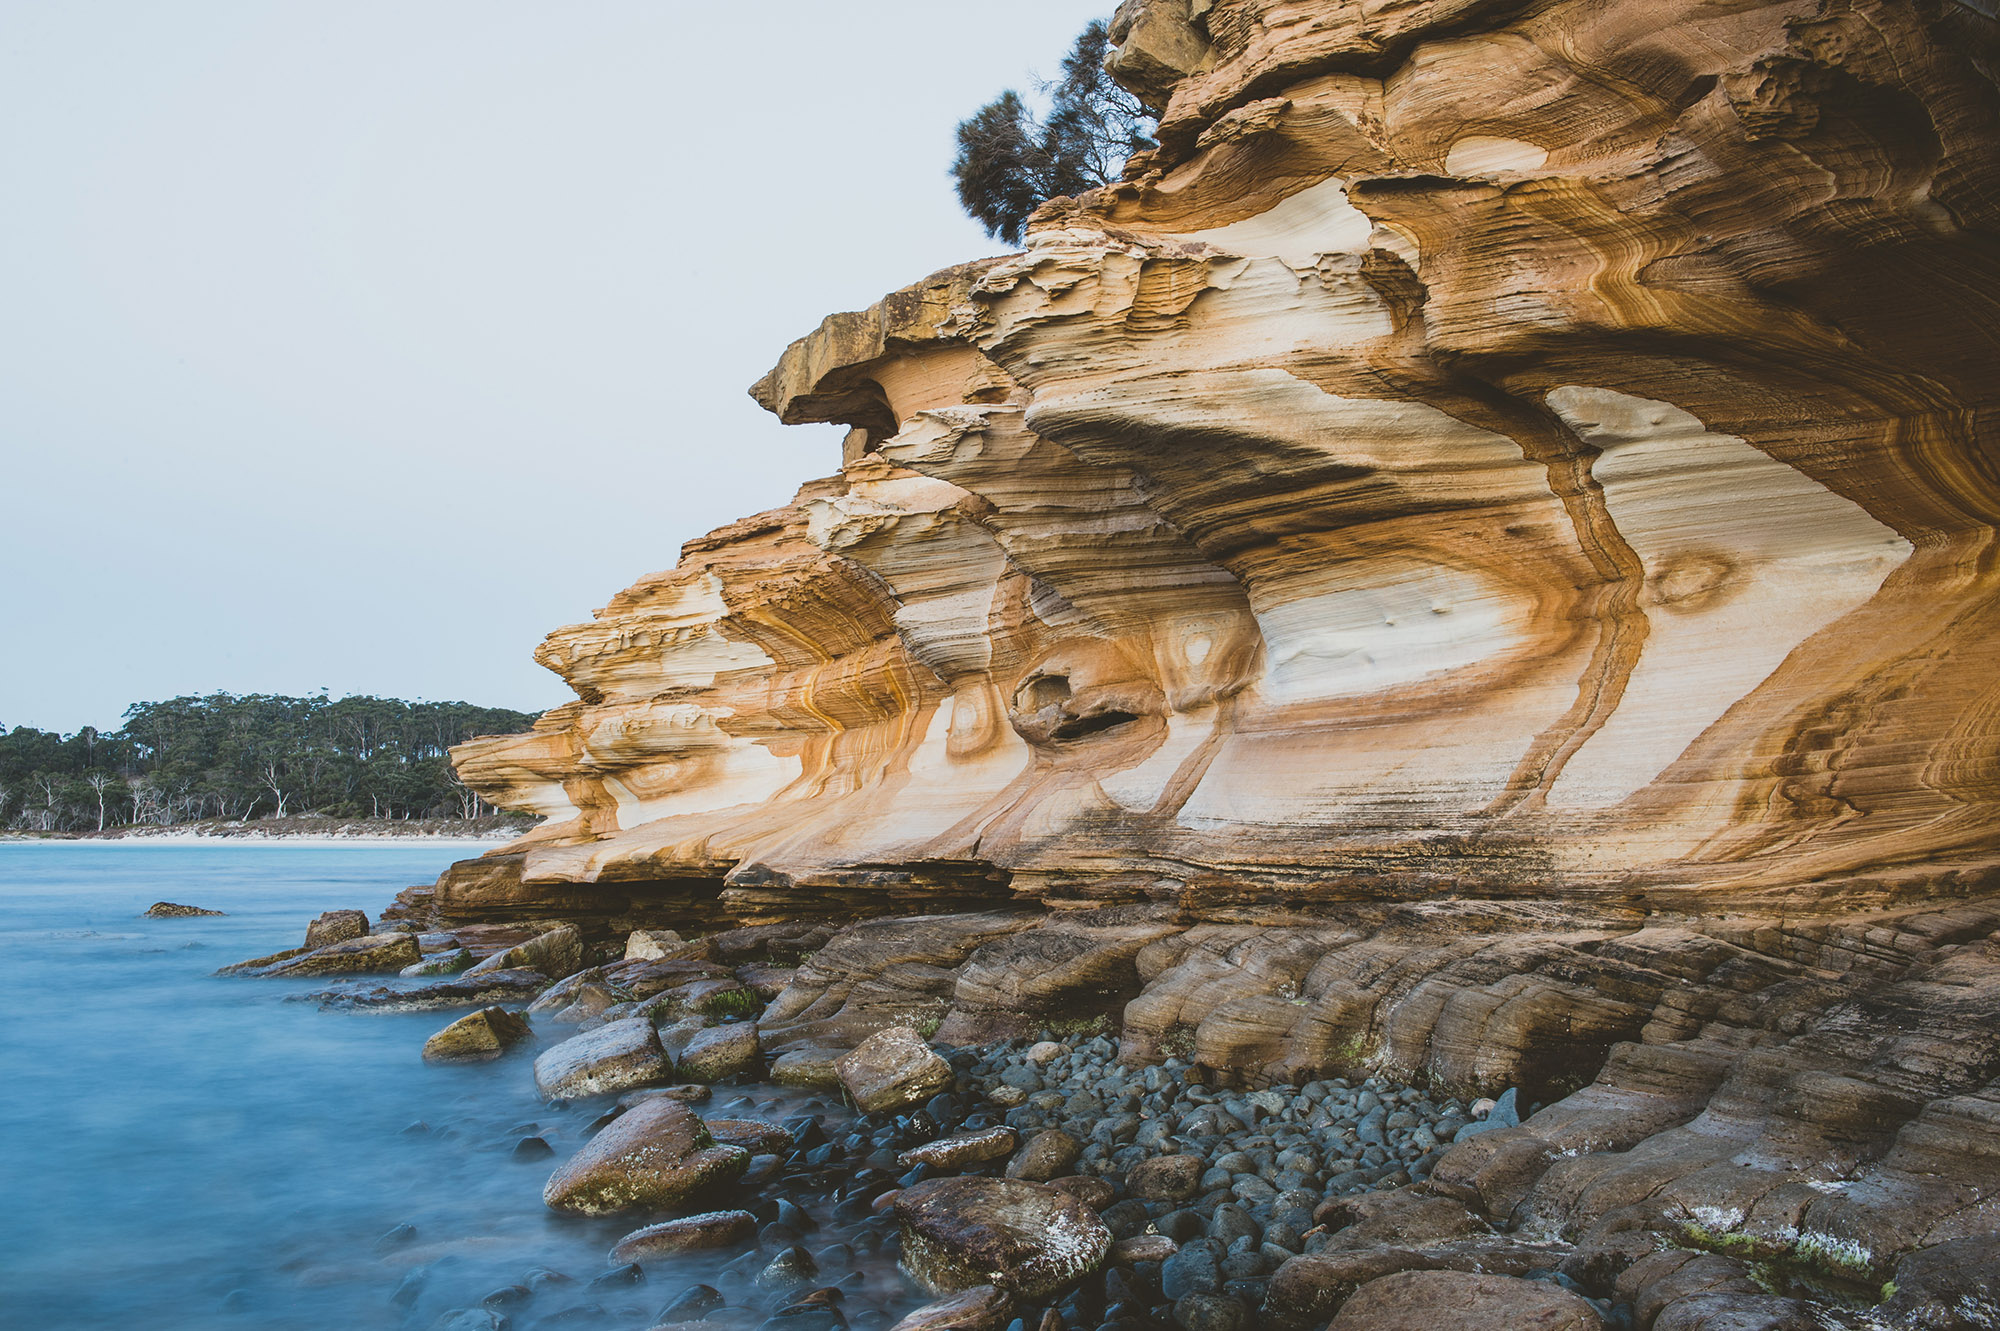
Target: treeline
{"x": 257, "y": 756}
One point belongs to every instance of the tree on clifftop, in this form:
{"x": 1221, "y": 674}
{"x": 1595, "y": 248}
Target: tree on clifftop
{"x": 1009, "y": 163}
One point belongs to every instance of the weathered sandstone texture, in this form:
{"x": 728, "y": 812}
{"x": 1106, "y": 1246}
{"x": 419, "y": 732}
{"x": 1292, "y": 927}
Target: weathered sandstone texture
{"x": 1475, "y": 562}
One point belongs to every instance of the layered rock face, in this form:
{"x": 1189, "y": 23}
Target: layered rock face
{"x": 1477, "y": 560}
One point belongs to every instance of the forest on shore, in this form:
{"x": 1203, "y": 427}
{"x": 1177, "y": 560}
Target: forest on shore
{"x": 223, "y": 756}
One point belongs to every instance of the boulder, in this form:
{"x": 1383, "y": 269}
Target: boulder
{"x": 556, "y": 954}
{"x": 169, "y": 910}
{"x": 1426, "y": 1300}
{"x": 336, "y": 926}
{"x": 981, "y": 1308}
{"x": 1050, "y": 1154}
{"x": 1034, "y": 1242}
{"x": 962, "y": 1151}
{"x": 710, "y": 1229}
{"x": 615, "y": 1057}
{"x": 892, "y": 1069}
{"x": 1948, "y": 1285}
{"x": 655, "y": 1156}
{"x": 720, "y": 1052}
{"x": 811, "y": 1067}
{"x": 368, "y": 954}
{"x": 651, "y": 944}
{"x": 1166, "y": 1178}
{"x": 477, "y": 1037}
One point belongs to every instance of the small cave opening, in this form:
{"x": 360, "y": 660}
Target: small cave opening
{"x": 1092, "y": 724}
{"x": 1043, "y": 691}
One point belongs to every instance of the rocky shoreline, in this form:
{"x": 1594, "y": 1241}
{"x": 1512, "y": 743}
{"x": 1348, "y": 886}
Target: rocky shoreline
{"x": 1038, "y": 1181}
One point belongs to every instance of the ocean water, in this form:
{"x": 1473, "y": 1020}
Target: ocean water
{"x": 182, "y": 1150}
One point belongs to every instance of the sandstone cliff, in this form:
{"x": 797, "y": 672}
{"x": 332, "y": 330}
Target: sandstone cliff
{"x": 1477, "y": 560}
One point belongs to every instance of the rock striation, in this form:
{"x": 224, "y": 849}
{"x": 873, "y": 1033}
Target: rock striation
{"x": 1475, "y": 562}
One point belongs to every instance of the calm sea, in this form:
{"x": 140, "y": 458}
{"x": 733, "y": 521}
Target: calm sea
{"x": 187, "y": 1151}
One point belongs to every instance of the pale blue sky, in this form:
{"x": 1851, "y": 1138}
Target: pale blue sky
{"x": 357, "y": 344}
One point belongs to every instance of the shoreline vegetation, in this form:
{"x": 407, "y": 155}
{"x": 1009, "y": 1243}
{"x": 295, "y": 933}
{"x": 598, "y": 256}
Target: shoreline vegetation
{"x": 222, "y": 764}
{"x": 314, "y": 829}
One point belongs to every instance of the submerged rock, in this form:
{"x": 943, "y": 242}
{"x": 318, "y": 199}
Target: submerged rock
{"x": 170, "y": 910}
{"x": 616, "y": 1057}
{"x": 655, "y": 1156}
{"x": 891, "y": 1069}
{"x": 477, "y": 1037}
{"x": 959, "y": 1233}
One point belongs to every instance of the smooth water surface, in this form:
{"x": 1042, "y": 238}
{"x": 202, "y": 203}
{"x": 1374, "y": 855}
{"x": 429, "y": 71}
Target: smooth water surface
{"x": 189, "y": 1151}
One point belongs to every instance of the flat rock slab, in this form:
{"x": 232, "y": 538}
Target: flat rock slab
{"x": 963, "y": 1150}
{"x": 1426, "y": 1300}
{"x": 614, "y": 1057}
{"x": 892, "y": 1069}
{"x": 458, "y": 991}
{"x": 694, "y": 1233}
{"x": 477, "y": 1037}
{"x": 367, "y": 954}
{"x": 173, "y": 910}
{"x": 960, "y": 1233}
{"x": 653, "y": 1157}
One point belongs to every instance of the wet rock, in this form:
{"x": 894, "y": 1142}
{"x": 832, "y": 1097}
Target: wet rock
{"x": 1141, "y": 1248}
{"x": 710, "y": 1229}
{"x": 794, "y": 1266}
{"x": 1948, "y": 1286}
{"x": 439, "y": 942}
{"x": 367, "y": 954}
{"x": 692, "y": 1093}
{"x": 1034, "y": 1241}
{"x": 400, "y": 1236}
{"x": 533, "y": 1148}
{"x": 438, "y": 963}
{"x": 556, "y": 954}
{"x": 807, "y": 1067}
{"x": 616, "y": 1057}
{"x": 336, "y": 926}
{"x": 1425, "y": 1300}
{"x": 1308, "y": 1290}
{"x": 631, "y": 1273}
{"x": 507, "y": 1296}
{"x": 754, "y": 1136}
{"x": 1092, "y": 1192}
{"x": 1210, "y": 1312}
{"x": 470, "y": 1319}
{"x": 893, "y": 1069}
{"x": 981, "y": 1308}
{"x": 961, "y": 1151}
{"x": 1194, "y": 1269}
{"x": 658, "y": 1155}
{"x": 170, "y": 910}
{"x": 438, "y": 995}
{"x": 721, "y": 1052}
{"x": 652, "y": 944}
{"x": 1050, "y": 1154}
{"x": 257, "y": 964}
{"x": 1166, "y": 1178}
{"x": 477, "y": 1037}
{"x": 767, "y": 982}
{"x": 1767, "y": 1312}
{"x": 692, "y": 1304}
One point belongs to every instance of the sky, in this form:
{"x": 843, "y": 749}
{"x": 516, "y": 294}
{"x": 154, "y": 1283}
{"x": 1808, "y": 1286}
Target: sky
{"x": 358, "y": 345}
